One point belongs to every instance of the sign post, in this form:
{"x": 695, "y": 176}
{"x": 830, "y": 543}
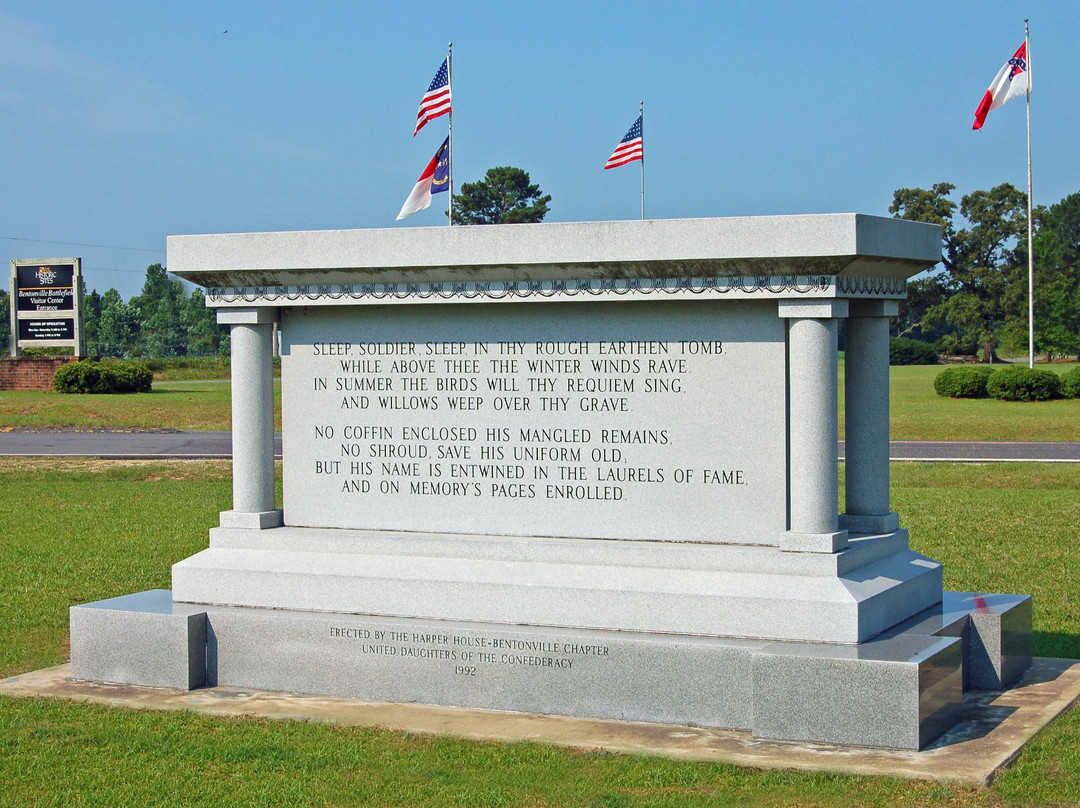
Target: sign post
{"x": 46, "y": 304}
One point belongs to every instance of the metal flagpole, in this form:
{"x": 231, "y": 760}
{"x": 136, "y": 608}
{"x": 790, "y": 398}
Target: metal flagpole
{"x": 641, "y": 113}
{"x": 1031, "y": 252}
{"x": 450, "y": 134}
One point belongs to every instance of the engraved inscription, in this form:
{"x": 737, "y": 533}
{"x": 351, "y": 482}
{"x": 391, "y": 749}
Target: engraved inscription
{"x": 664, "y": 435}
{"x": 472, "y": 654}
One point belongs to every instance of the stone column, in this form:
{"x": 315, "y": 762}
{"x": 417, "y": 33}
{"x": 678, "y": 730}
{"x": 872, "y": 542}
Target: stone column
{"x": 251, "y": 337}
{"x": 866, "y": 418}
{"x": 812, "y": 426}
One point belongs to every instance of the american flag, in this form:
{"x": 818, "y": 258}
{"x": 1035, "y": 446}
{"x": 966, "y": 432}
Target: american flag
{"x": 630, "y": 148}
{"x": 436, "y": 100}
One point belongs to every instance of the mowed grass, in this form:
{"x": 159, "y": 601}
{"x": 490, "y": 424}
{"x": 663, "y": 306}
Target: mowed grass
{"x": 75, "y": 531}
{"x": 918, "y": 413}
{"x": 79, "y": 530}
{"x": 185, "y": 405}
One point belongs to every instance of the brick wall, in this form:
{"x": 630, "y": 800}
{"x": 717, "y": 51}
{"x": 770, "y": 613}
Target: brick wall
{"x": 30, "y": 372}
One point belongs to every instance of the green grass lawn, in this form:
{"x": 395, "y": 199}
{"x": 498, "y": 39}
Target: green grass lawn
{"x": 73, "y": 531}
{"x": 918, "y": 413}
{"x": 186, "y": 405}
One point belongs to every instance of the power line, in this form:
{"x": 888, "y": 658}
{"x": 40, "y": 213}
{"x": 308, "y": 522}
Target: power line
{"x": 82, "y": 244}
{"x": 106, "y": 269}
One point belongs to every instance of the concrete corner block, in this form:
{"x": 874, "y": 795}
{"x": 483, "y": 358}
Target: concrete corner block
{"x": 260, "y": 520}
{"x": 139, "y": 639}
{"x": 999, "y": 639}
{"x": 995, "y": 630}
{"x": 900, "y": 693}
{"x": 870, "y": 525}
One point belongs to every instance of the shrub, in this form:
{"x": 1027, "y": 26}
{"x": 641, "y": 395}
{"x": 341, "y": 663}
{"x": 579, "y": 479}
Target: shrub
{"x": 1024, "y": 384}
{"x": 131, "y": 377}
{"x": 904, "y": 351}
{"x": 103, "y": 377}
{"x": 966, "y": 381}
{"x": 46, "y": 351}
{"x": 1070, "y": 384}
{"x": 79, "y": 377}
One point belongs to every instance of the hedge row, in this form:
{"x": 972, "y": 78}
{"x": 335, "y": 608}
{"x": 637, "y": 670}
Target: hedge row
{"x": 103, "y": 377}
{"x": 1013, "y": 383}
{"x": 905, "y": 351}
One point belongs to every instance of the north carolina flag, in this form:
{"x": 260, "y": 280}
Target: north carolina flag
{"x": 1011, "y": 81}
{"x": 434, "y": 180}
{"x": 630, "y": 148}
{"x": 436, "y": 100}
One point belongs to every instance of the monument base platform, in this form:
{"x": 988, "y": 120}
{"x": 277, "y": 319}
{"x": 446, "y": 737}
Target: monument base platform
{"x": 899, "y": 691}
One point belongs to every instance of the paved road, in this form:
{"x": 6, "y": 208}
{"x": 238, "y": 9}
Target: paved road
{"x": 116, "y": 444}
{"x": 982, "y": 451}
{"x": 144, "y": 444}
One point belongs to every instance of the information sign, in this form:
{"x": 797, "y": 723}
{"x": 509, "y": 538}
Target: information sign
{"x": 45, "y": 304}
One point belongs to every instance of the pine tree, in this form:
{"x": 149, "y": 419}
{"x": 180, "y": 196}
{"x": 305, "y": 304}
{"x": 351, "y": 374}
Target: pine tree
{"x": 504, "y": 196}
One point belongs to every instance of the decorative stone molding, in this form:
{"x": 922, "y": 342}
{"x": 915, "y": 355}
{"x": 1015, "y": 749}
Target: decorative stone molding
{"x": 775, "y": 286}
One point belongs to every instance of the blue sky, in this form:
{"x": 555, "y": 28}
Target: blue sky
{"x": 125, "y": 122}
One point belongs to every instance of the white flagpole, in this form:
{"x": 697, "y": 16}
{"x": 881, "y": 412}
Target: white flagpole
{"x": 1031, "y": 252}
{"x": 641, "y": 112}
{"x": 450, "y": 134}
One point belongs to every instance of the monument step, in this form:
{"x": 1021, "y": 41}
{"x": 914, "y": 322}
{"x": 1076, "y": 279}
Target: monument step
{"x": 604, "y": 594}
{"x": 764, "y": 557}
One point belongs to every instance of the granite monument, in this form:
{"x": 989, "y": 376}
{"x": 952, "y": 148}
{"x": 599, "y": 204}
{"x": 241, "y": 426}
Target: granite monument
{"x": 583, "y": 469}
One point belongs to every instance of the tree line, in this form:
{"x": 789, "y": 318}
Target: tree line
{"x": 976, "y": 301}
{"x": 163, "y": 321}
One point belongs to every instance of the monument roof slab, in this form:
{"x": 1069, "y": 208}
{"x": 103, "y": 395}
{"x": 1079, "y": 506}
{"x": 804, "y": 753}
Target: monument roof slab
{"x": 822, "y": 244}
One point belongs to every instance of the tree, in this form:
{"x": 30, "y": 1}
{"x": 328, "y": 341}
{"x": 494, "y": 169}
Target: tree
{"x": 162, "y": 333}
{"x": 503, "y": 196}
{"x": 1056, "y": 280}
{"x": 977, "y": 259}
{"x": 5, "y": 321}
{"x": 922, "y": 294}
{"x": 205, "y": 336}
{"x": 117, "y": 329}
{"x": 91, "y": 317}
